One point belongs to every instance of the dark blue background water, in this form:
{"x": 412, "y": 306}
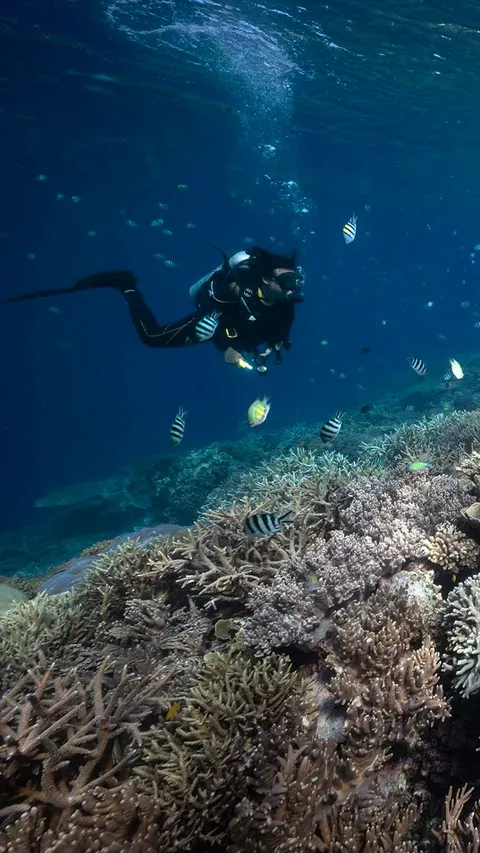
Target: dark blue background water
{"x": 80, "y": 395}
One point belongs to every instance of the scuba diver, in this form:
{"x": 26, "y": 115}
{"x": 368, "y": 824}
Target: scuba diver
{"x": 246, "y": 303}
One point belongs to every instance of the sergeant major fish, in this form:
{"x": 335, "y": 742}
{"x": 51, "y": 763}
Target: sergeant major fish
{"x": 178, "y": 427}
{"x": 332, "y": 427}
{"x": 350, "y": 229}
{"x": 207, "y": 326}
{"x": 417, "y": 364}
{"x": 265, "y": 523}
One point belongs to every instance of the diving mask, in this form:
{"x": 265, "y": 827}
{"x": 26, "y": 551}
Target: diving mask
{"x": 286, "y": 285}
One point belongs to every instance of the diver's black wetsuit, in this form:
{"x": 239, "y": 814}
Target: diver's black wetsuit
{"x": 245, "y": 323}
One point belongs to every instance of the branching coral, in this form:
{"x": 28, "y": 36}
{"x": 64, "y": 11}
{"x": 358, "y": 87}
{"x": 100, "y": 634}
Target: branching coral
{"x": 62, "y": 737}
{"x": 219, "y": 566}
{"x": 284, "y": 476}
{"x": 369, "y": 505}
{"x": 443, "y": 438}
{"x": 460, "y": 834}
{"x": 462, "y": 623}
{"x": 50, "y": 623}
{"x": 384, "y": 523}
{"x": 379, "y": 674}
{"x": 119, "y": 820}
{"x": 196, "y": 767}
{"x": 450, "y": 549}
{"x": 468, "y": 469}
{"x": 281, "y": 813}
{"x": 283, "y": 614}
{"x": 343, "y": 831}
{"x": 158, "y": 717}
{"x": 43, "y": 623}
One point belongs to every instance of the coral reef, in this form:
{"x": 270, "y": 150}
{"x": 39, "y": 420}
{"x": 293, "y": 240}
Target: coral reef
{"x": 444, "y": 439}
{"x": 205, "y": 691}
{"x": 283, "y": 476}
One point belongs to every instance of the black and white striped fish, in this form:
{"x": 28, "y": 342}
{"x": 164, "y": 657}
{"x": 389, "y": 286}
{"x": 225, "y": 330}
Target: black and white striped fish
{"x": 418, "y": 365}
{"x": 332, "y": 427}
{"x": 350, "y": 229}
{"x": 207, "y": 326}
{"x": 178, "y": 427}
{"x": 265, "y": 523}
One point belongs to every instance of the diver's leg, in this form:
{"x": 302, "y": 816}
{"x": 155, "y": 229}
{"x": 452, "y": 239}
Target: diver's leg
{"x": 177, "y": 334}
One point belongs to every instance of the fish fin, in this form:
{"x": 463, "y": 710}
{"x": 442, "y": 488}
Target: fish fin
{"x": 339, "y": 414}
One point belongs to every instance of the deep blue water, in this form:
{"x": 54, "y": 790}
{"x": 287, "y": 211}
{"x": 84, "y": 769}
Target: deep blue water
{"x": 373, "y": 113}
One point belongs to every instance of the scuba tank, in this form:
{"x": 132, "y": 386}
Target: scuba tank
{"x": 236, "y": 260}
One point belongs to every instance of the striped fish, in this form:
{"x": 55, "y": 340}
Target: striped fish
{"x": 332, "y": 427}
{"x": 207, "y": 326}
{"x": 178, "y": 427}
{"x": 265, "y": 523}
{"x": 350, "y": 229}
{"x": 418, "y": 365}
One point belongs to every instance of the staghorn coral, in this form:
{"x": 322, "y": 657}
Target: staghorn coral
{"x": 62, "y": 737}
{"x": 443, "y": 438}
{"x": 285, "y": 800}
{"x": 450, "y": 549}
{"x": 218, "y": 566}
{"x": 460, "y": 834}
{"x": 462, "y": 625}
{"x": 344, "y": 830}
{"x": 282, "y": 476}
{"x": 196, "y": 766}
{"x": 380, "y": 675}
{"x": 44, "y": 623}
